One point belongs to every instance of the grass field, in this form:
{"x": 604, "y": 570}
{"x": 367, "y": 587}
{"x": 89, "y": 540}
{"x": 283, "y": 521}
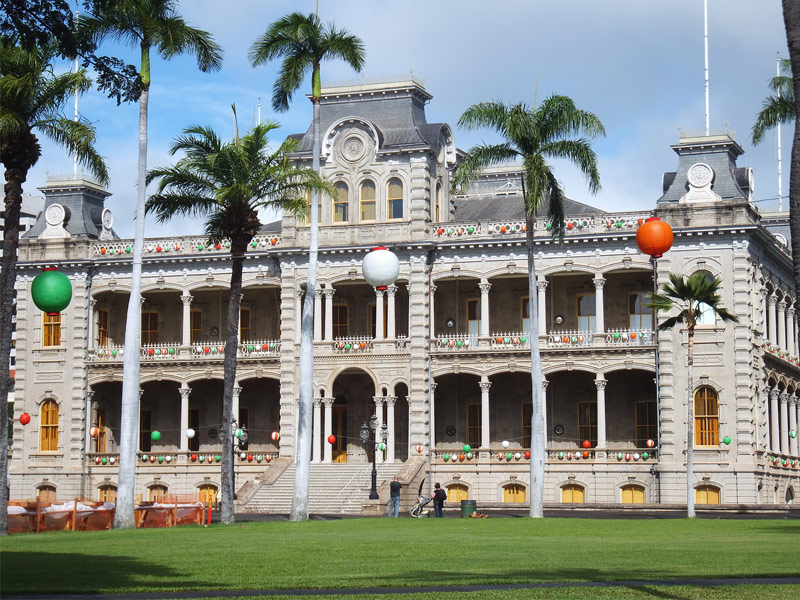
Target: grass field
{"x": 364, "y": 553}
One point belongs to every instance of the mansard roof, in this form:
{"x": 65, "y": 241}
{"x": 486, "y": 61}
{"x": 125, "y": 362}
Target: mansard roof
{"x": 510, "y": 207}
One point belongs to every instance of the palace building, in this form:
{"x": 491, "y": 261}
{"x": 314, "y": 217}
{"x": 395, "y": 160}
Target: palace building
{"x": 441, "y": 358}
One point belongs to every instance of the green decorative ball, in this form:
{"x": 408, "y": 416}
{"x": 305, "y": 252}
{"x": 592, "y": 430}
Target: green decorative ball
{"x": 470, "y": 229}
{"x": 469, "y": 455}
{"x": 509, "y": 455}
{"x": 105, "y": 460}
{"x": 523, "y": 339}
{"x": 792, "y": 434}
{"x": 145, "y": 458}
{"x": 347, "y": 346}
{"x": 51, "y": 291}
{"x": 161, "y": 459}
{"x": 128, "y": 249}
{"x": 467, "y": 447}
{"x": 645, "y": 455}
{"x": 619, "y": 455}
{"x": 616, "y": 336}
{"x": 549, "y": 226}
{"x": 238, "y": 433}
{"x": 561, "y": 455}
{"x": 217, "y": 458}
{"x": 459, "y": 343}
{"x": 171, "y": 350}
{"x": 446, "y": 457}
{"x": 726, "y": 440}
{"x": 155, "y": 436}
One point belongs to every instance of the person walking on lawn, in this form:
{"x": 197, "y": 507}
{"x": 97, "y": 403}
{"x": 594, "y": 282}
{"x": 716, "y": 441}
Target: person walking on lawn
{"x": 439, "y": 496}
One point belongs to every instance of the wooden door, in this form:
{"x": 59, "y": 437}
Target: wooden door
{"x": 707, "y": 494}
{"x": 572, "y": 494}
{"x": 632, "y": 494}
{"x": 107, "y": 493}
{"x": 457, "y": 493}
{"x": 514, "y": 493}
{"x": 207, "y": 494}
{"x": 339, "y": 416}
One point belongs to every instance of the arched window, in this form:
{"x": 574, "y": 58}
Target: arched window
{"x": 513, "y": 492}
{"x": 394, "y": 197}
{"x": 706, "y": 417}
{"x": 706, "y": 315}
{"x": 706, "y": 494}
{"x": 207, "y": 493}
{"x": 340, "y": 202}
{"x": 48, "y": 426}
{"x": 367, "y": 201}
{"x": 157, "y": 493}
{"x": 572, "y": 493}
{"x": 789, "y": 496}
{"x": 107, "y": 493}
{"x": 438, "y": 211}
{"x": 632, "y": 494}
{"x": 46, "y": 494}
{"x": 457, "y": 492}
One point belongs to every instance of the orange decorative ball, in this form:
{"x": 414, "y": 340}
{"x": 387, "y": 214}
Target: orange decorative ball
{"x": 654, "y": 237}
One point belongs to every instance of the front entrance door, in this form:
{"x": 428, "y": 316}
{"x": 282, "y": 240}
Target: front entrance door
{"x": 339, "y": 416}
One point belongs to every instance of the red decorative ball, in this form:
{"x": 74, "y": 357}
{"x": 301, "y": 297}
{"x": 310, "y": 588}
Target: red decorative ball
{"x": 587, "y": 444}
{"x": 275, "y": 436}
{"x": 461, "y": 457}
{"x": 650, "y": 443}
{"x": 24, "y": 418}
{"x": 249, "y": 458}
{"x": 419, "y": 448}
{"x": 331, "y": 439}
{"x": 527, "y": 455}
{"x": 194, "y": 457}
{"x": 94, "y": 431}
{"x": 585, "y": 454}
{"x": 654, "y": 237}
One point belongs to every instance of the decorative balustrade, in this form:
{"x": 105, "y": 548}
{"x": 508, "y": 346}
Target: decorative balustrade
{"x": 349, "y": 344}
{"x": 781, "y": 353}
{"x": 629, "y": 337}
{"x": 160, "y": 351}
{"x": 107, "y": 353}
{"x": 510, "y": 340}
{"x": 179, "y": 246}
{"x": 164, "y": 458}
{"x": 455, "y": 342}
{"x": 401, "y": 342}
{"x": 212, "y": 348}
{"x": 256, "y": 348}
{"x": 569, "y": 338}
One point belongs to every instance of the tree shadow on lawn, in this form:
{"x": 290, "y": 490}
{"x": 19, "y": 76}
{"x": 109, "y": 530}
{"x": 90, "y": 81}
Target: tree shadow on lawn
{"x": 57, "y": 573}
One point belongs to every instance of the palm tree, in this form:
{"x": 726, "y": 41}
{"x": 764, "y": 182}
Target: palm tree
{"x": 534, "y": 135}
{"x": 777, "y": 108}
{"x": 33, "y": 97}
{"x": 227, "y": 183}
{"x": 145, "y": 24}
{"x": 691, "y": 296}
{"x": 304, "y": 43}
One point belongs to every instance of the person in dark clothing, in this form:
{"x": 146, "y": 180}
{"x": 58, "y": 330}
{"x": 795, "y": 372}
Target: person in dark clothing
{"x": 394, "y": 497}
{"x": 439, "y": 496}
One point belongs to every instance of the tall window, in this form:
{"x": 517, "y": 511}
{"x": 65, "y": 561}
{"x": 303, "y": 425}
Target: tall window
{"x": 145, "y": 429}
{"x": 367, "y": 201}
{"x": 646, "y": 422}
{"x": 340, "y": 203}
{"x": 473, "y": 317}
{"x": 244, "y": 324}
{"x": 527, "y": 412}
{"x": 586, "y": 312}
{"x": 340, "y": 319}
{"x": 102, "y": 328}
{"x": 705, "y": 314}
{"x": 639, "y": 315}
{"x": 587, "y": 421}
{"x": 195, "y": 325}
{"x": 474, "y": 425}
{"x": 101, "y": 430}
{"x": 394, "y": 197}
{"x": 319, "y": 207}
{"x": 194, "y": 423}
{"x": 525, "y": 311}
{"x": 51, "y": 329}
{"x": 149, "y": 327}
{"x": 48, "y": 426}
{"x": 706, "y": 417}
{"x": 438, "y": 202}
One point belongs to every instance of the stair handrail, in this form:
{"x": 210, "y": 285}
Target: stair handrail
{"x": 358, "y": 473}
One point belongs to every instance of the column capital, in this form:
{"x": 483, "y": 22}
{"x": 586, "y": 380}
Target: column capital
{"x": 790, "y": 311}
{"x": 378, "y": 293}
{"x": 782, "y": 305}
{"x": 391, "y": 291}
{"x": 485, "y": 385}
{"x": 792, "y": 400}
{"x": 600, "y": 384}
{"x": 541, "y": 285}
{"x": 329, "y": 292}
{"x": 185, "y": 392}
{"x": 141, "y": 393}
{"x": 318, "y": 293}
{"x": 327, "y": 401}
{"x": 299, "y": 293}
{"x": 236, "y": 391}
{"x": 317, "y": 402}
{"x": 599, "y": 282}
{"x": 772, "y": 300}
{"x": 186, "y": 299}
{"x": 378, "y": 400}
{"x": 391, "y": 400}
{"x": 433, "y": 288}
{"x": 92, "y": 302}
{"x": 773, "y": 393}
{"x": 90, "y": 395}
{"x": 484, "y": 287}
{"x": 784, "y": 397}
{"x": 545, "y": 383}
{"x": 433, "y": 385}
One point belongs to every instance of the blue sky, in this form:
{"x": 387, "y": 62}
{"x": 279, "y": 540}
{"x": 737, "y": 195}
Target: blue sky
{"x": 637, "y": 64}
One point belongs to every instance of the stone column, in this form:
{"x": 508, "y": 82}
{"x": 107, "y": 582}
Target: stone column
{"x": 544, "y": 409}
{"x": 329, "y": 292}
{"x": 390, "y": 402}
{"x": 485, "y": 384}
{"x": 390, "y": 317}
{"x": 790, "y": 334}
{"x": 298, "y": 314}
{"x": 186, "y": 330}
{"x": 91, "y": 326}
{"x": 599, "y": 321}
{"x": 784, "y": 423}
{"x": 782, "y": 325}
{"x": 484, "y": 286}
{"x": 541, "y": 303}
{"x": 235, "y": 408}
{"x": 379, "y": 335}
{"x": 774, "y": 428}
{"x": 184, "y": 391}
{"x": 316, "y": 449}
{"x": 91, "y": 418}
{"x": 328, "y": 452}
{"x": 433, "y": 312}
{"x": 793, "y": 424}
{"x": 378, "y": 400}
{"x": 431, "y": 415}
{"x": 601, "y": 383}
{"x": 318, "y": 317}
{"x": 772, "y": 330}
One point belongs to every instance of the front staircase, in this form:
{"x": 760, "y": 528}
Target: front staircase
{"x": 333, "y": 488}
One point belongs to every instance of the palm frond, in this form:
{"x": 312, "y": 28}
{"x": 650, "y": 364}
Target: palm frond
{"x": 485, "y": 114}
{"x": 78, "y": 137}
{"x": 560, "y": 118}
{"x": 580, "y": 153}
{"x": 339, "y": 43}
{"x": 775, "y": 110}
{"x": 555, "y": 210}
{"x": 477, "y": 160}
{"x": 172, "y": 36}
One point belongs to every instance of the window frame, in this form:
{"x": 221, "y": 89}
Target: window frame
{"x": 587, "y": 431}
{"x": 195, "y": 325}
{"x": 641, "y": 298}
{"x": 340, "y": 329}
{"x": 645, "y": 429}
{"x": 149, "y": 335}
{"x": 706, "y": 423}
{"x": 362, "y": 201}
{"x": 390, "y": 200}
{"x": 590, "y": 318}
{"x": 103, "y": 320}
{"x": 245, "y": 310}
{"x": 337, "y": 202}
{"x": 145, "y": 441}
{"x": 525, "y": 306}
{"x": 100, "y": 442}
{"x": 474, "y": 415}
{"x": 49, "y": 418}
{"x": 477, "y": 303}
{"x": 527, "y": 407}
{"x": 51, "y": 330}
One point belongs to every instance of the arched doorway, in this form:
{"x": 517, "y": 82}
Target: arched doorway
{"x": 353, "y": 405}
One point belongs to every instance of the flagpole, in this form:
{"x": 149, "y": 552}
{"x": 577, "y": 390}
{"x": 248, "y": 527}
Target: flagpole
{"x": 780, "y": 186}
{"x": 75, "y": 157}
{"x": 705, "y": 15}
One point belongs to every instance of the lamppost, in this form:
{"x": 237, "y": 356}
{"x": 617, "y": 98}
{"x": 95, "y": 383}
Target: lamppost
{"x": 365, "y": 438}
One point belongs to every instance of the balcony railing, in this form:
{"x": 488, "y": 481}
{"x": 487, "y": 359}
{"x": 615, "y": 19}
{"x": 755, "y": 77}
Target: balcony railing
{"x": 612, "y": 454}
{"x": 166, "y": 458}
{"x": 510, "y": 340}
{"x": 350, "y": 344}
{"x": 455, "y": 342}
{"x": 568, "y": 338}
{"x": 180, "y": 246}
{"x": 200, "y": 349}
{"x": 629, "y": 337}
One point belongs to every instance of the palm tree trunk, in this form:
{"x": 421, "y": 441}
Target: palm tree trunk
{"x": 791, "y": 18}
{"x": 129, "y": 413}
{"x": 231, "y": 346}
{"x": 304, "y": 424}
{"x": 13, "y": 201}
{"x": 690, "y": 428}
{"x": 538, "y": 448}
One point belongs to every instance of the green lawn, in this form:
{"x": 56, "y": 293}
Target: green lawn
{"x": 406, "y": 552}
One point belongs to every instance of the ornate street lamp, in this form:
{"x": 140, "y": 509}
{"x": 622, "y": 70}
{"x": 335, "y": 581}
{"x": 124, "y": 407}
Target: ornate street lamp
{"x": 368, "y": 440}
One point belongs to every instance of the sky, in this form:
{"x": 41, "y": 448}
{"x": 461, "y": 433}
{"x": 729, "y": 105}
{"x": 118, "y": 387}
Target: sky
{"x": 637, "y": 64}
